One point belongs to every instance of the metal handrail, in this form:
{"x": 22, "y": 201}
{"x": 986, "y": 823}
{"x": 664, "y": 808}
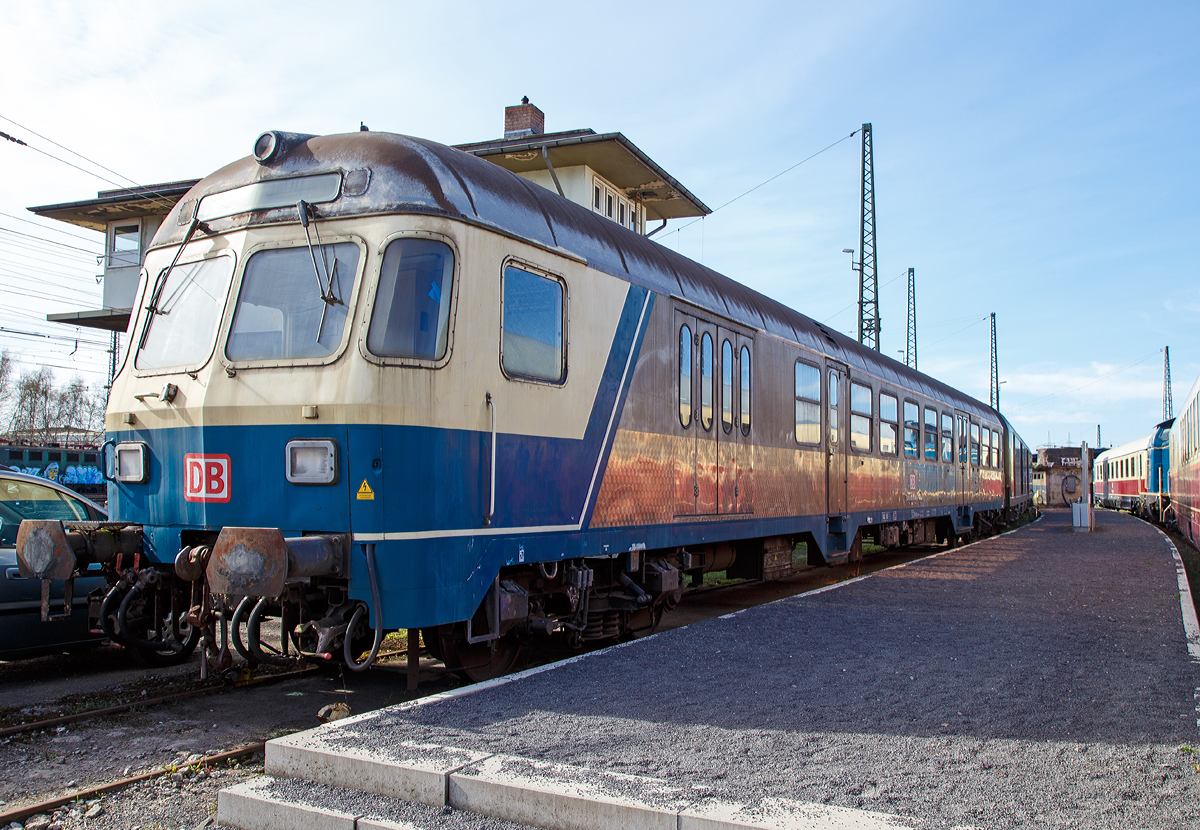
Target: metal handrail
{"x": 487, "y": 519}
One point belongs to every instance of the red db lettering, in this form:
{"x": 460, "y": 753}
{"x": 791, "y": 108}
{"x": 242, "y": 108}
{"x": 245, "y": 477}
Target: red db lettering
{"x": 206, "y": 478}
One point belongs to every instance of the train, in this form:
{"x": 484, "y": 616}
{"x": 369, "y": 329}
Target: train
{"x": 1134, "y": 475}
{"x": 1157, "y": 477}
{"x": 377, "y": 383}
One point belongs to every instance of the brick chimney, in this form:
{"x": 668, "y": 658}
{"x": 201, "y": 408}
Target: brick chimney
{"x": 523, "y": 120}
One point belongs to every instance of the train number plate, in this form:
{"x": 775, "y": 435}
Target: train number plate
{"x": 207, "y": 477}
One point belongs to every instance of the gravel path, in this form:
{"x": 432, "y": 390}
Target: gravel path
{"x": 1035, "y": 679}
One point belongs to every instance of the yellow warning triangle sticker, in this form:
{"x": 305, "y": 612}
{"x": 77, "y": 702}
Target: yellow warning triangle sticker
{"x": 365, "y": 493}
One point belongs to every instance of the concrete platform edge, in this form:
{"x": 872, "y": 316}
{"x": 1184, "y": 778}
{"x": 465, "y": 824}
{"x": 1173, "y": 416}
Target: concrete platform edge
{"x": 241, "y": 806}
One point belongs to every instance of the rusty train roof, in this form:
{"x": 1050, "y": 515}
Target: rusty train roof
{"x": 413, "y": 175}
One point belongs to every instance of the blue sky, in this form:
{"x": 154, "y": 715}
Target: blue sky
{"x": 1035, "y": 160}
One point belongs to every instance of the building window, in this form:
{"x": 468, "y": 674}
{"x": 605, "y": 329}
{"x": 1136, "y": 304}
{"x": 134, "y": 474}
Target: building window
{"x": 887, "y": 424}
{"x": 808, "y": 404}
{"x": 607, "y": 202}
{"x": 531, "y": 343}
{"x": 931, "y": 434}
{"x": 685, "y": 376}
{"x": 125, "y": 246}
{"x": 860, "y": 417}
{"x": 911, "y": 430}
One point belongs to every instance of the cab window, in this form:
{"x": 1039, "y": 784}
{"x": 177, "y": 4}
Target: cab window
{"x": 412, "y": 305}
{"x": 289, "y": 308}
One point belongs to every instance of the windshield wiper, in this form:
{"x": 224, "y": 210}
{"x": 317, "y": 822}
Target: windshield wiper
{"x": 160, "y": 282}
{"x": 327, "y": 295}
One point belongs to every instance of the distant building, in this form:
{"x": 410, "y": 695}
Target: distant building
{"x": 1058, "y": 475}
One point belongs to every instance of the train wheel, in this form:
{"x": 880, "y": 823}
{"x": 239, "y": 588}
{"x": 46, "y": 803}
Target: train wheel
{"x": 477, "y": 661}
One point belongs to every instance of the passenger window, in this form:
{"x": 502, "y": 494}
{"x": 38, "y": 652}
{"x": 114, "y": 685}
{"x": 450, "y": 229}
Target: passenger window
{"x": 986, "y": 451}
{"x": 412, "y": 305}
{"x": 974, "y": 445}
{"x": 997, "y": 453}
{"x": 726, "y": 386}
{"x": 887, "y": 424}
{"x": 931, "y": 434}
{"x": 834, "y": 378}
{"x": 808, "y": 404}
{"x": 685, "y": 376}
{"x": 531, "y": 343}
{"x": 911, "y": 429}
{"x": 281, "y": 311}
{"x": 860, "y": 417}
{"x": 706, "y": 381}
{"x": 745, "y": 390}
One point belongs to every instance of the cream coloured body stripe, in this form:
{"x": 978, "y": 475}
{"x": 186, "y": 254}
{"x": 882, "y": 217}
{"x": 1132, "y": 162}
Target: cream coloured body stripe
{"x": 496, "y": 531}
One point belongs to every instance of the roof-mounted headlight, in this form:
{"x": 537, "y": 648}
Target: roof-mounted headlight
{"x": 266, "y": 146}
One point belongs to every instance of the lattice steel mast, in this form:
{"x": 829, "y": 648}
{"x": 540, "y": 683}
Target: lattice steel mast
{"x": 868, "y": 282}
{"x": 1168, "y": 404}
{"x": 995, "y": 369}
{"x": 910, "y": 351}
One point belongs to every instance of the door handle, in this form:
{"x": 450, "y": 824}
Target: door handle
{"x": 14, "y": 573}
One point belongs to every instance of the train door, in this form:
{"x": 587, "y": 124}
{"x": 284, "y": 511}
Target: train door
{"x": 837, "y": 454}
{"x": 734, "y": 466}
{"x": 696, "y": 469}
{"x": 963, "y": 446}
{"x": 707, "y": 429}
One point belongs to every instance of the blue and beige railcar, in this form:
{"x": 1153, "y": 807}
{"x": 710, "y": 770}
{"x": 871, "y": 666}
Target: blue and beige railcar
{"x": 377, "y": 383}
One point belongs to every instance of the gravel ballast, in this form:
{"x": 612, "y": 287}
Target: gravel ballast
{"x": 1040, "y": 678}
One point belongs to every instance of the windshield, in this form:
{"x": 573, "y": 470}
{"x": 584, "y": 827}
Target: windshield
{"x": 181, "y": 328}
{"x": 281, "y": 312}
{"x": 26, "y": 500}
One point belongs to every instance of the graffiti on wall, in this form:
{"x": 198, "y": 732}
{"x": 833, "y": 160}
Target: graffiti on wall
{"x": 73, "y": 474}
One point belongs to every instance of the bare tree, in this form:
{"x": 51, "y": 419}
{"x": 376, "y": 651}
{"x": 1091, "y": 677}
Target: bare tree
{"x": 6, "y": 371}
{"x": 33, "y": 406}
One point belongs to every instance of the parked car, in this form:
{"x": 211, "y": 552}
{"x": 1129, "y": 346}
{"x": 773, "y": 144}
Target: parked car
{"x": 22, "y": 632}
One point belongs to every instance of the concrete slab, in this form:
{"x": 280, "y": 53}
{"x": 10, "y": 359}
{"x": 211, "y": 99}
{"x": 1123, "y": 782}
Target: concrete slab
{"x": 409, "y": 771}
{"x": 561, "y": 797}
{"x": 782, "y": 814}
{"x": 246, "y": 807}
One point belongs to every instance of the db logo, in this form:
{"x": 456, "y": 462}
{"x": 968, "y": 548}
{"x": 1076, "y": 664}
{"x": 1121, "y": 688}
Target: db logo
{"x": 912, "y": 481}
{"x": 207, "y": 477}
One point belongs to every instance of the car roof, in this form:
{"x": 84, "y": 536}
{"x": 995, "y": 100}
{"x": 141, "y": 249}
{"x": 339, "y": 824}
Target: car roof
{"x": 8, "y": 475}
